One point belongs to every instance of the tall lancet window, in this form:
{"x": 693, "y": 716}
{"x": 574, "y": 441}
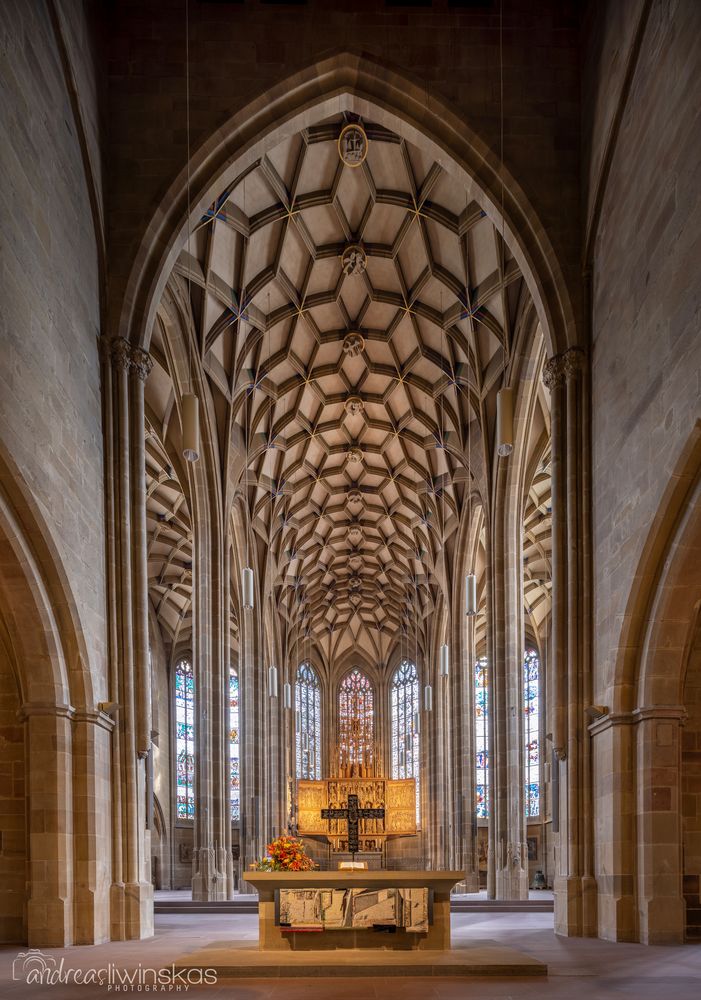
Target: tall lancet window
{"x": 356, "y": 720}
{"x": 404, "y": 710}
{"x": 531, "y": 730}
{"x": 308, "y": 723}
{"x": 234, "y": 744}
{"x": 184, "y": 740}
{"x": 481, "y": 739}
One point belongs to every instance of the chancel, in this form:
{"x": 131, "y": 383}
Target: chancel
{"x": 350, "y": 488}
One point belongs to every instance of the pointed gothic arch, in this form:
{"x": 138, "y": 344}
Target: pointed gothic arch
{"x": 359, "y": 84}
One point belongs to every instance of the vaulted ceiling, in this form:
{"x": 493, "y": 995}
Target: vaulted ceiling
{"x": 353, "y": 323}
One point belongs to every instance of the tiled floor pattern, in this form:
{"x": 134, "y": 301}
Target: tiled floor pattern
{"x": 579, "y": 969}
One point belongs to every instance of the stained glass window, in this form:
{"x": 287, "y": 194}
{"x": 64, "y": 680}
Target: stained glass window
{"x": 531, "y": 725}
{"x": 404, "y": 710}
{"x": 356, "y": 720}
{"x": 234, "y": 743}
{"x": 308, "y": 723}
{"x": 481, "y": 739}
{"x": 185, "y": 740}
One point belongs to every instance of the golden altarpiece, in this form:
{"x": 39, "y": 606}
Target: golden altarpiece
{"x": 357, "y": 773}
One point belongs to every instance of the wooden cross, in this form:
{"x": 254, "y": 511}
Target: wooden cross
{"x": 352, "y": 813}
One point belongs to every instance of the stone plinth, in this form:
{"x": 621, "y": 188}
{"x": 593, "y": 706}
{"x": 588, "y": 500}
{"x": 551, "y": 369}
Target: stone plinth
{"x": 273, "y": 938}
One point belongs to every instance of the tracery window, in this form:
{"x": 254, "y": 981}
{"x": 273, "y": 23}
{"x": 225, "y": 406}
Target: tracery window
{"x": 356, "y": 720}
{"x": 184, "y": 740}
{"x": 481, "y": 739}
{"x": 234, "y": 745}
{"x": 404, "y": 710}
{"x": 308, "y": 723}
{"x": 531, "y": 727}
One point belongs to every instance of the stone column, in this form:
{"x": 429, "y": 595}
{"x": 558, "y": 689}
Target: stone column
{"x": 505, "y": 665}
{"x": 212, "y": 873}
{"x": 131, "y": 894}
{"x": 430, "y": 730}
{"x": 463, "y": 713}
{"x": 566, "y": 375}
{"x": 252, "y": 698}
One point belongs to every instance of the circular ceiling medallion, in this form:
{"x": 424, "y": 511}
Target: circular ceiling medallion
{"x": 354, "y": 405}
{"x": 353, "y": 144}
{"x": 355, "y": 534}
{"x": 353, "y": 344}
{"x": 354, "y": 582}
{"x": 353, "y": 259}
{"x": 354, "y": 456}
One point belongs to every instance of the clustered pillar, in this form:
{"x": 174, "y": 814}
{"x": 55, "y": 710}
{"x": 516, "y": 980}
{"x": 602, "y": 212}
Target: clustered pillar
{"x": 131, "y": 898}
{"x": 566, "y": 376}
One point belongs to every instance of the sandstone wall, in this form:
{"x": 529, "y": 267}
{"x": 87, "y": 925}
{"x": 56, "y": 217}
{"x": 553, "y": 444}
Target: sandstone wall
{"x": 646, "y": 365}
{"x": 645, "y": 301}
{"x": 50, "y": 409}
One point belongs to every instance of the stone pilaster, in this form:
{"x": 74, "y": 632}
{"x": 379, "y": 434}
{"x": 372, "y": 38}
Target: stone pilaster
{"x": 92, "y": 734}
{"x": 50, "y": 908}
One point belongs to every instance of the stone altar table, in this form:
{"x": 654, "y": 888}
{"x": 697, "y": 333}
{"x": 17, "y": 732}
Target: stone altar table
{"x": 272, "y": 937}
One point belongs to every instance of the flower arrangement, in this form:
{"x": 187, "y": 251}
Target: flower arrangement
{"x": 284, "y": 854}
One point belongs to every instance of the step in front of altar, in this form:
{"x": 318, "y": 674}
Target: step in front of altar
{"x": 481, "y": 958}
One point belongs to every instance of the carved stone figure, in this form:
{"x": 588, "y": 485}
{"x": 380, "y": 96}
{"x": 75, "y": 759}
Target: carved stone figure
{"x": 353, "y": 144}
{"x": 354, "y": 405}
{"x": 353, "y": 259}
{"x": 353, "y": 344}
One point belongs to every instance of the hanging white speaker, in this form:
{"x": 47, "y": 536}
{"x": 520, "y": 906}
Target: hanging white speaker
{"x": 417, "y": 723}
{"x": 272, "y": 682}
{"x": 505, "y": 422}
{"x": 470, "y": 594}
{"x": 445, "y": 660}
{"x": 428, "y": 698}
{"x": 247, "y": 586}
{"x": 287, "y": 695}
{"x": 191, "y": 427}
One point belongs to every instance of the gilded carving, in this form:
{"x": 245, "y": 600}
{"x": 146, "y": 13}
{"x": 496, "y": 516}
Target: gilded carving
{"x": 396, "y": 797}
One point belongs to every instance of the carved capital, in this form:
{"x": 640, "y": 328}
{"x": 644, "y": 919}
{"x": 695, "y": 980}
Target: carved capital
{"x": 141, "y": 363}
{"x": 562, "y": 367}
{"x": 127, "y": 358}
{"x": 120, "y": 352}
{"x": 573, "y": 362}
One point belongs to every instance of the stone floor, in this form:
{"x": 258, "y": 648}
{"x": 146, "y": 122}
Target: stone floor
{"x": 579, "y": 969}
